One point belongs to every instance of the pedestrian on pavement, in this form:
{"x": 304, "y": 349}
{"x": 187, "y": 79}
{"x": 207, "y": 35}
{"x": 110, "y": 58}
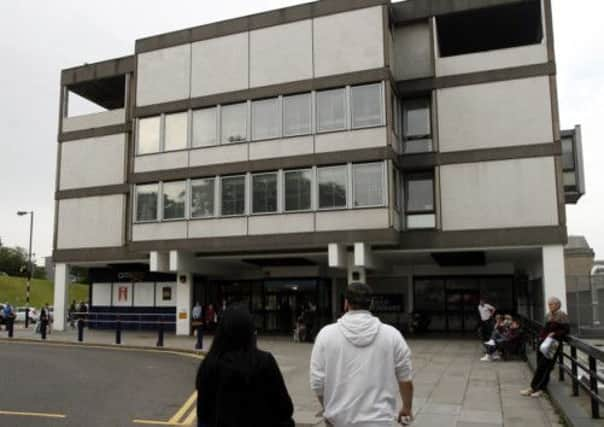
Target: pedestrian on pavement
{"x": 486, "y": 312}
{"x": 211, "y": 318}
{"x": 556, "y": 327}
{"x": 44, "y": 320}
{"x": 71, "y": 314}
{"x": 196, "y": 313}
{"x": 238, "y": 384}
{"x": 9, "y": 316}
{"x": 359, "y": 365}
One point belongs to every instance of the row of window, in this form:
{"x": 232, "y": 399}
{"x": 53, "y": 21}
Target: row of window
{"x": 271, "y": 192}
{"x": 350, "y": 107}
{"x": 413, "y": 123}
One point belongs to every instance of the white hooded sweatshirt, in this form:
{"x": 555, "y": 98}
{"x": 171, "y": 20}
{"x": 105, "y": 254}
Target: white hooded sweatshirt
{"x": 356, "y": 365}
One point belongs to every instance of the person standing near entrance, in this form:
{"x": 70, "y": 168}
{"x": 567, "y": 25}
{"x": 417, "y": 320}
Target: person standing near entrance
{"x": 486, "y": 312}
{"x": 359, "y": 365}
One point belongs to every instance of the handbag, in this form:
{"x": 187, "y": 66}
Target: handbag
{"x": 549, "y": 347}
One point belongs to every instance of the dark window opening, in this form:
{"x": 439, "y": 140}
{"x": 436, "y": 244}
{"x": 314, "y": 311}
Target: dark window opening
{"x": 490, "y": 29}
{"x": 96, "y": 95}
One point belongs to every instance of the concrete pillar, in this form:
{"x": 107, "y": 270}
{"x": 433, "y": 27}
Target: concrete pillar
{"x": 60, "y": 297}
{"x": 554, "y": 278}
{"x": 355, "y": 273}
{"x": 184, "y": 296}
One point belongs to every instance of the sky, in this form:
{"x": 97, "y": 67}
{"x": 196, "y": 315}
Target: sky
{"x": 38, "y": 38}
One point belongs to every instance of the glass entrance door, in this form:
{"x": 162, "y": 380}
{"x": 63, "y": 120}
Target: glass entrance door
{"x": 461, "y": 309}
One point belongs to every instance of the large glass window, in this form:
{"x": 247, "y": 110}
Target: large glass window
{"x": 419, "y": 203}
{"x": 298, "y": 190}
{"x": 264, "y": 193}
{"x": 366, "y": 103}
{"x": 233, "y": 195}
{"x": 148, "y": 135}
{"x": 202, "y": 197}
{"x": 331, "y": 110}
{"x": 176, "y": 131}
{"x": 568, "y": 156}
{"x": 266, "y": 119}
{"x": 332, "y": 187}
{"x": 368, "y": 183}
{"x": 297, "y": 114}
{"x": 204, "y": 127}
{"x": 234, "y": 123}
{"x": 174, "y": 197}
{"x": 417, "y": 125}
{"x": 146, "y": 202}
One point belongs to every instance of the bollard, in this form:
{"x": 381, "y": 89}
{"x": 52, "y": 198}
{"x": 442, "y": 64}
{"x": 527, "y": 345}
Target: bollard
{"x": 43, "y": 327}
{"x": 160, "y": 335}
{"x": 118, "y": 333}
{"x": 80, "y": 330}
{"x": 26, "y": 317}
{"x": 199, "y": 342}
{"x": 10, "y": 325}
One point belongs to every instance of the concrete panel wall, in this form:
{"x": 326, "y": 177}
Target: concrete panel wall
{"x": 144, "y": 294}
{"x": 91, "y": 222}
{"x": 93, "y": 162}
{"x": 277, "y": 224}
{"x": 159, "y": 231}
{"x": 219, "y": 227}
{"x": 513, "y": 112}
{"x": 509, "y": 193}
{"x": 94, "y": 120}
{"x": 218, "y": 155}
{"x": 101, "y": 294}
{"x": 363, "y": 219}
{"x": 281, "y": 148}
{"x": 281, "y": 54}
{"x": 348, "y": 42}
{"x": 160, "y": 161}
{"x": 220, "y": 65}
{"x": 164, "y": 75}
{"x": 412, "y": 51}
{"x": 352, "y": 140}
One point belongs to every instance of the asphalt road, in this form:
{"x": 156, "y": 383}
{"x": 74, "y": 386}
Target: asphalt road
{"x": 93, "y": 387}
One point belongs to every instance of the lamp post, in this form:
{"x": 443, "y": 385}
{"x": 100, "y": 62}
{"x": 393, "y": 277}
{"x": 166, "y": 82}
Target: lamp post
{"x": 29, "y": 269}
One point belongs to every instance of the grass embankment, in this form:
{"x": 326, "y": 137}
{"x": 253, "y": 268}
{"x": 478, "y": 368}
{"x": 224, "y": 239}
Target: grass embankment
{"x": 12, "y": 290}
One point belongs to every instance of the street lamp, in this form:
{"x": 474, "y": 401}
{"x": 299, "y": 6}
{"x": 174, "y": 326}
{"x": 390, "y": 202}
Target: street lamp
{"x": 30, "y": 270}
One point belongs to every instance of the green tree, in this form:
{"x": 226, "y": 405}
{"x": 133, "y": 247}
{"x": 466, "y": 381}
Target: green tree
{"x": 13, "y": 261}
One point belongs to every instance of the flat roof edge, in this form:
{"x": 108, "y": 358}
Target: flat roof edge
{"x": 252, "y": 22}
{"x": 98, "y": 70}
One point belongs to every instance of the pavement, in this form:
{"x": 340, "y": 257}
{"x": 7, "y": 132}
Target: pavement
{"x": 452, "y": 386}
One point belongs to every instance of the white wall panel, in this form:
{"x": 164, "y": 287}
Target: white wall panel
{"x": 164, "y": 75}
{"x": 278, "y": 224}
{"x": 509, "y": 113}
{"x": 159, "y": 231}
{"x": 349, "y": 41}
{"x": 351, "y": 140}
{"x": 362, "y": 219}
{"x": 165, "y": 294}
{"x": 219, "y": 227}
{"x": 94, "y": 120}
{"x": 220, "y": 65}
{"x": 219, "y": 154}
{"x": 122, "y": 294}
{"x": 281, "y": 148}
{"x": 144, "y": 294}
{"x": 160, "y": 161}
{"x": 91, "y": 222}
{"x": 282, "y": 53}
{"x": 499, "y": 194}
{"x": 101, "y": 294}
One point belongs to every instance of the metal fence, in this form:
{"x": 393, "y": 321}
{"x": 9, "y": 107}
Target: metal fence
{"x": 585, "y": 301}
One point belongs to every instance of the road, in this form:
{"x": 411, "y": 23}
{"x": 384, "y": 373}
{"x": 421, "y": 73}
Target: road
{"x": 58, "y": 385}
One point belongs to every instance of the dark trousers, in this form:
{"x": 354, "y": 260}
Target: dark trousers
{"x": 544, "y": 367}
{"x": 486, "y": 328}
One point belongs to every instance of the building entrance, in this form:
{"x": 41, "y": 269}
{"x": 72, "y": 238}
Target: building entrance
{"x": 461, "y": 313}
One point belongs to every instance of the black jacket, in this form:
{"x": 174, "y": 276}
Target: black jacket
{"x": 243, "y": 390}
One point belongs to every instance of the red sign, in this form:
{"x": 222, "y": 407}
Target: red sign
{"x": 122, "y": 293}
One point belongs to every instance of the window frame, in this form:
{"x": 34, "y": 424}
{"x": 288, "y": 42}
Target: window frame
{"x": 380, "y": 87}
{"x": 159, "y": 136}
{"x": 346, "y": 188}
{"x": 217, "y": 124}
{"x": 346, "y": 117}
{"x": 190, "y": 203}
{"x": 247, "y": 122}
{"x": 276, "y": 211}
{"x": 279, "y": 115}
{"x": 245, "y": 191}
{"x": 404, "y": 137}
{"x": 383, "y": 183}
{"x": 162, "y": 204}
{"x": 310, "y": 114}
{"x": 284, "y": 196}
{"x": 157, "y": 207}
{"x": 419, "y": 175}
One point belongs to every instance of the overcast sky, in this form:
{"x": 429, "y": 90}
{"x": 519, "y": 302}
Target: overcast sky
{"x": 38, "y": 38}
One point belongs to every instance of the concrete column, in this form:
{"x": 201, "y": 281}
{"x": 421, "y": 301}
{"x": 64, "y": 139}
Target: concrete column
{"x": 184, "y": 295}
{"x": 554, "y": 278}
{"x": 60, "y": 297}
{"x": 355, "y": 273}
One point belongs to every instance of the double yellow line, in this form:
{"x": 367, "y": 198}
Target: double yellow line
{"x": 183, "y": 417}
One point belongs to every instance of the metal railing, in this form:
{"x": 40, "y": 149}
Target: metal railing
{"x": 581, "y": 356}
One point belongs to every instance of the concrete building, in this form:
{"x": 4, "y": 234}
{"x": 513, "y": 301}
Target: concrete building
{"x": 271, "y": 159}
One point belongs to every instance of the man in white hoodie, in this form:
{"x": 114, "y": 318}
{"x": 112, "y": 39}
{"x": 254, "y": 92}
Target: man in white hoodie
{"x": 359, "y": 365}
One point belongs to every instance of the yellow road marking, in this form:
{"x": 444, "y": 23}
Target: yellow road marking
{"x": 184, "y": 408}
{"x": 192, "y": 415}
{"x": 159, "y": 423}
{"x": 32, "y": 414}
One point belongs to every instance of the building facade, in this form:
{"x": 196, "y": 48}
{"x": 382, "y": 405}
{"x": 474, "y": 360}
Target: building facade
{"x": 269, "y": 160}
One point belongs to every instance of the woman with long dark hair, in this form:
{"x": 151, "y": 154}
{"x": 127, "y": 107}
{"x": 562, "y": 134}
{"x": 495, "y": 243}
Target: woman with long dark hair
{"x": 237, "y": 384}
{"x": 556, "y": 327}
